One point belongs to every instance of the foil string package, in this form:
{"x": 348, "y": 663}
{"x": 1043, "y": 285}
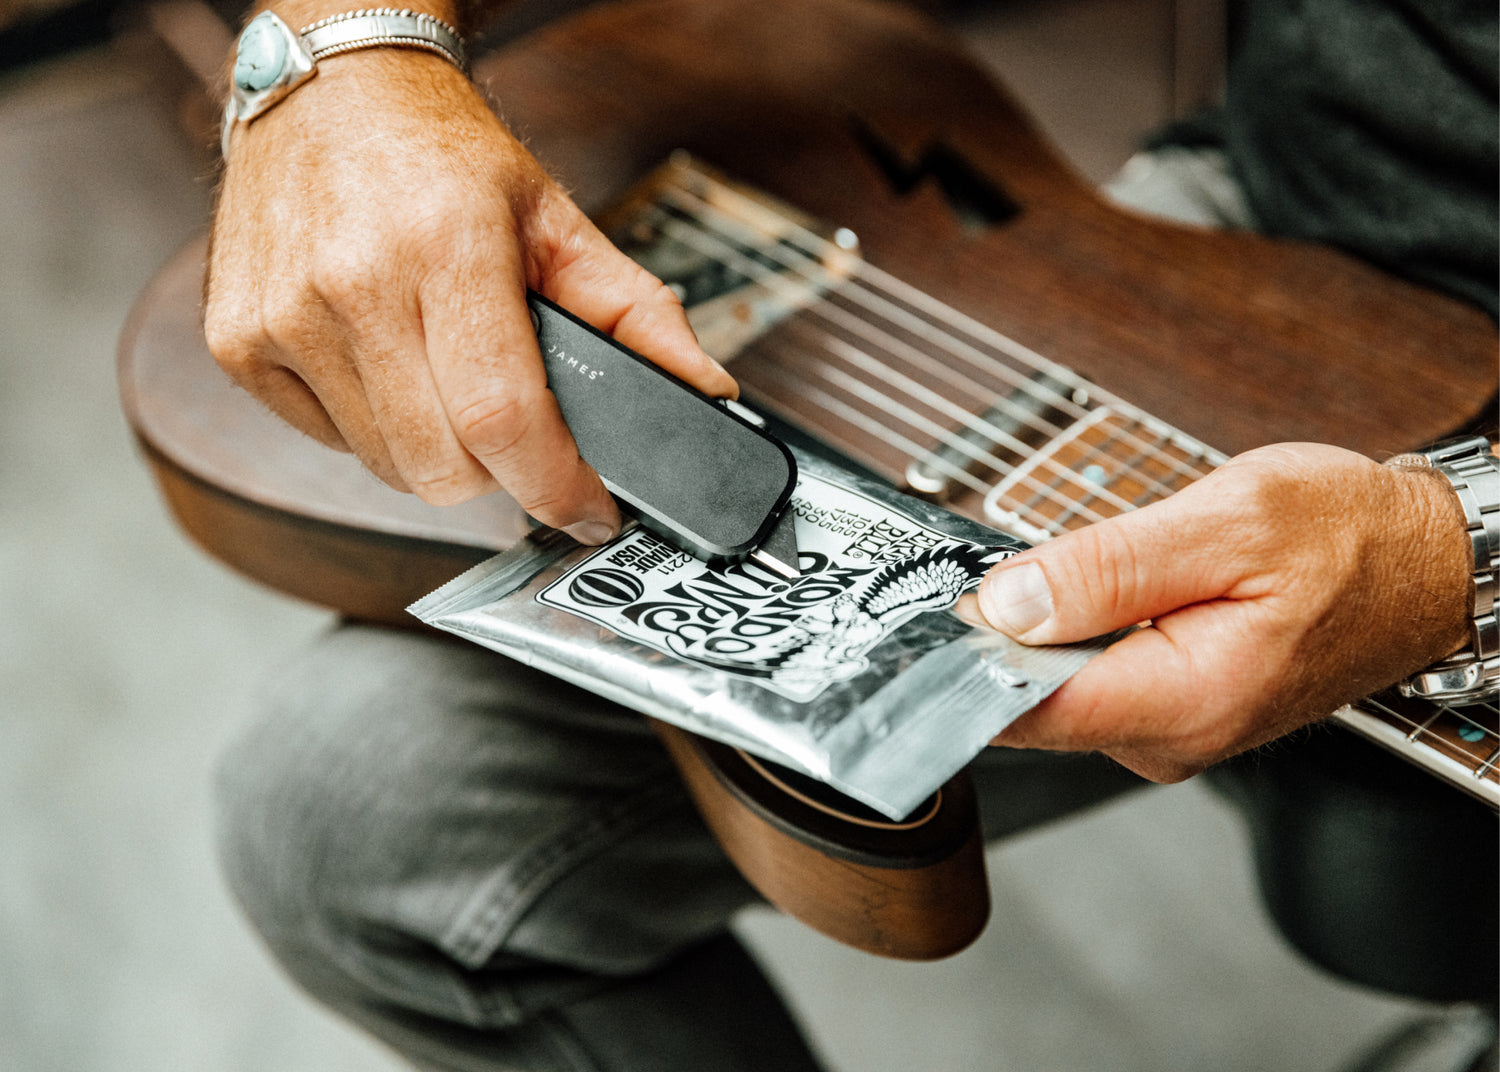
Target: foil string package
{"x": 857, "y": 673}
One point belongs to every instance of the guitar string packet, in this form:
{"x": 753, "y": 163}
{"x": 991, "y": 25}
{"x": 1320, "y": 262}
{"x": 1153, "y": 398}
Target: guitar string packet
{"x": 857, "y": 673}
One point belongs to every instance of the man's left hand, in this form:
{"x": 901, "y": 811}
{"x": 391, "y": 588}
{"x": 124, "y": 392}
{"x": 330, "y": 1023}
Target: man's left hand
{"x": 1294, "y": 579}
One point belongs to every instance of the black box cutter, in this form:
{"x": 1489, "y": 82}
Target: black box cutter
{"x": 695, "y": 470}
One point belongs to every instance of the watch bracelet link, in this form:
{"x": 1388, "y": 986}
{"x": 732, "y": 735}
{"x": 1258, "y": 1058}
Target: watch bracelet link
{"x": 271, "y": 60}
{"x": 1471, "y": 675}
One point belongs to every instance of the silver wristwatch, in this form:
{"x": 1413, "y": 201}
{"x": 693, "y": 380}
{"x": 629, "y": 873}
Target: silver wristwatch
{"x": 271, "y": 60}
{"x": 1472, "y": 675}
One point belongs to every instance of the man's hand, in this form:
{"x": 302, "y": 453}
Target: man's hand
{"x": 373, "y": 240}
{"x": 1293, "y": 580}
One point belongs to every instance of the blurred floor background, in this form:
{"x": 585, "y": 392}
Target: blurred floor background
{"x": 1129, "y": 939}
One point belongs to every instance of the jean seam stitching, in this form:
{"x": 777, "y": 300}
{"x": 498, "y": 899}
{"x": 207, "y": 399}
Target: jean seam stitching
{"x": 497, "y": 907}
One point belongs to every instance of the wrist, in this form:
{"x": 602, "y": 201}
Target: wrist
{"x": 273, "y": 60}
{"x": 1462, "y": 478}
{"x": 1440, "y": 566}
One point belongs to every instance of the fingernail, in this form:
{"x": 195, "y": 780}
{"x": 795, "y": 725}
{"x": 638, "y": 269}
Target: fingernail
{"x": 1017, "y": 600}
{"x": 590, "y": 532}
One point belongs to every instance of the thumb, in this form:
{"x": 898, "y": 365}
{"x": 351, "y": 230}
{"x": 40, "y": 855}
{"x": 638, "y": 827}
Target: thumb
{"x": 1113, "y": 574}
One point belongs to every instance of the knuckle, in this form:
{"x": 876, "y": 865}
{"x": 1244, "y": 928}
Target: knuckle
{"x": 492, "y": 424}
{"x": 232, "y": 345}
{"x": 659, "y": 303}
{"x": 343, "y": 274}
{"x": 1107, "y": 570}
{"x": 1261, "y": 496}
{"x": 654, "y": 294}
{"x": 1119, "y": 578}
{"x": 234, "y": 336}
{"x": 450, "y": 485}
{"x": 547, "y": 508}
{"x": 298, "y": 340}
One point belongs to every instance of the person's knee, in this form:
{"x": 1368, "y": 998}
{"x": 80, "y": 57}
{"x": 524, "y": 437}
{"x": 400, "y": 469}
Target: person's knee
{"x": 277, "y": 807}
{"x": 318, "y": 801}
{"x": 405, "y": 808}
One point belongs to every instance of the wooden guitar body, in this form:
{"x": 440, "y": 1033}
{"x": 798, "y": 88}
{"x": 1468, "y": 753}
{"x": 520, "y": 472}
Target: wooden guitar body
{"x": 864, "y": 115}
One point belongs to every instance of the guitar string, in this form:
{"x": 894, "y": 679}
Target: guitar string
{"x": 1461, "y": 716}
{"x": 1487, "y": 733}
{"x": 1094, "y": 451}
{"x": 891, "y": 289}
{"x": 1139, "y": 456}
{"x": 760, "y": 273}
{"x": 1132, "y": 467}
{"x": 1090, "y": 488}
{"x": 1419, "y": 734}
{"x": 694, "y": 239}
{"x": 807, "y": 389}
{"x": 897, "y": 290}
{"x": 864, "y": 361}
{"x": 1044, "y": 493}
{"x": 865, "y": 422}
{"x": 860, "y": 389}
{"x": 871, "y": 298}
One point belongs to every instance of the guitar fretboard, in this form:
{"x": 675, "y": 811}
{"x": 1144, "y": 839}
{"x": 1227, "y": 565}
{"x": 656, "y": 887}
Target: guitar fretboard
{"x": 946, "y": 407}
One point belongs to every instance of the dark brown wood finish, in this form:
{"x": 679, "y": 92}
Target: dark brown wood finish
{"x": 915, "y": 890}
{"x": 1233, "y": 338}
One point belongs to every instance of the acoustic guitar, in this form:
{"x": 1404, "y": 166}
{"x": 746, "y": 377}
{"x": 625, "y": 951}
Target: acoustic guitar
{"x": 897, "y": 267}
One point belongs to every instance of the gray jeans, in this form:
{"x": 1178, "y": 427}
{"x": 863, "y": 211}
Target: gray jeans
{"x": 489, "y": 869}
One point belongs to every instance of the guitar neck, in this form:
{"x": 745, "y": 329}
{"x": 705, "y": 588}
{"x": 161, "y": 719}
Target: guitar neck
{"x": 944, "y": 406}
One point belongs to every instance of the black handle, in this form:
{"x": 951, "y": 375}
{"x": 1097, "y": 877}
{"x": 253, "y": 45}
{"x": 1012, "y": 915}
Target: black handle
{"x": 680, "y": 462}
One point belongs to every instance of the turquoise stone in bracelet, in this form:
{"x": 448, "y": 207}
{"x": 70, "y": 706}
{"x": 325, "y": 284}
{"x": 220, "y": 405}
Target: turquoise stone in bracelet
{"x": 261, "y": 55}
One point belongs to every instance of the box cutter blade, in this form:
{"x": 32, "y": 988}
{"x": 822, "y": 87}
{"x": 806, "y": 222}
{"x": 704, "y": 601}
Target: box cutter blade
{"x": 697, "y": 471}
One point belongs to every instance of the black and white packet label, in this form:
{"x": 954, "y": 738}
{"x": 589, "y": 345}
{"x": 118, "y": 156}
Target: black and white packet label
{"x": 856, "y": 673}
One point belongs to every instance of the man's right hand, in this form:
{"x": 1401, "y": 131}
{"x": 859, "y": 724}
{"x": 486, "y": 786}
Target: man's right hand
{"x": 374, "y": 238}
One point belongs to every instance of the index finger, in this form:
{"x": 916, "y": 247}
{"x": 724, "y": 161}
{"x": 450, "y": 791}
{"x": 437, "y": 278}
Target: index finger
{"x": 581, "y": 270}
{"x": 489, "y": 375}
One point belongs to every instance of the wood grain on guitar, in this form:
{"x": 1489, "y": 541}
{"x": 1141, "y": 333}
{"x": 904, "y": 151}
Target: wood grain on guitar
{"x": 1059, "y": 363}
